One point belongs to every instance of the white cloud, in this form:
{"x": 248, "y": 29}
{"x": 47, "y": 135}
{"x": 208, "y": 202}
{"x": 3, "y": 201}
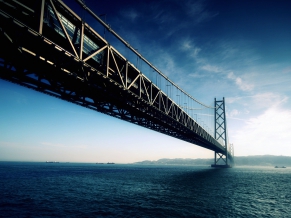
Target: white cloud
{"x": 186, "y": 45}
{"x": 268, "y": 133}
{"x": 268, "y": 99}
{"x": 233, "y": 113}
{"x": 195, "y": 52}
{"x": 196, "y": 75}
{"x": 243, "y": 85}
{"x": 189, "y": 46}
{"x": 259, "y": 100}
{"x": 166, "y": 63}
{"x": 240, "y": 83}
{"x": 251, "y": 105}
{"x": 211, "y": 68}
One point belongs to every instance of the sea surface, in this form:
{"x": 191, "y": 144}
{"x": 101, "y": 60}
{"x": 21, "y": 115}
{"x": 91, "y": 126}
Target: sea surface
{"x": 115, "y": 190}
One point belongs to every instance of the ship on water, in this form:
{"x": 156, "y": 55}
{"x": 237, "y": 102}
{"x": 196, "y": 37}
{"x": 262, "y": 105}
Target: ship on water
{"x": 280, "y": 167}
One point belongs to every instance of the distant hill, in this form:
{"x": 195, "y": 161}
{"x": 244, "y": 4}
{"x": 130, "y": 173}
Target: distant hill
{"x": 257, "y": 160}
{"x": 178, "y": 161}
{"x": 263, "y": 160}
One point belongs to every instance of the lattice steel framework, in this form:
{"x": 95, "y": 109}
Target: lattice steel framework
{"x": 220, "y": 133}
{"x": 48, "y": 47}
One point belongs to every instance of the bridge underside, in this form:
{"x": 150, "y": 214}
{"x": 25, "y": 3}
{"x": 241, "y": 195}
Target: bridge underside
{"x": 31, "y": 60}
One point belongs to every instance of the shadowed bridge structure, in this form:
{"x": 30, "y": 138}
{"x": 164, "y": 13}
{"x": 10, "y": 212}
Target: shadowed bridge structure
{"x": 46, "y": 46}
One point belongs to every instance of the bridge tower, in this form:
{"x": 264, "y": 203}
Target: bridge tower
{"x": 221, "y": 160}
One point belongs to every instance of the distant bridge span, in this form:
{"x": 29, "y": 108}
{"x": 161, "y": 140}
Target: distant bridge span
{"x": 46, "y": 46}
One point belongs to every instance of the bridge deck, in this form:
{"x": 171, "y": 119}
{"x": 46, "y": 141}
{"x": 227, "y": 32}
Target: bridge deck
{"x": 72, "y": 62}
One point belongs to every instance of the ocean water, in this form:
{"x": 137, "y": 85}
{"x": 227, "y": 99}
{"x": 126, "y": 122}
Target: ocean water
{"x": 93, "y": 190}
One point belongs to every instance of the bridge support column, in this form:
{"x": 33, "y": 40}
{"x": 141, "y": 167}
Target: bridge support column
{"x": 220, "y": 134}
{"x": 220, "y": 161}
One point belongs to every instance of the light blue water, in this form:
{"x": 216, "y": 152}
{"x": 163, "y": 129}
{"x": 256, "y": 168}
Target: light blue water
{"x": 91, "y": 190}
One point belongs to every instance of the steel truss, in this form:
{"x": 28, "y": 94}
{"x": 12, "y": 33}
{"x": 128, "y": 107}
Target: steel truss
{"x": 220, "y": 133}
{"x": 47, "y": 47}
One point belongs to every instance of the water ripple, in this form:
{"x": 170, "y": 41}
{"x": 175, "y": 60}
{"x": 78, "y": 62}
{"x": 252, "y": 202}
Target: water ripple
{"x": 87, "y": 190}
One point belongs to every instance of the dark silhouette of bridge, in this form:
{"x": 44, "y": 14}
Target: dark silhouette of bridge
{"x": 46, "y": 46}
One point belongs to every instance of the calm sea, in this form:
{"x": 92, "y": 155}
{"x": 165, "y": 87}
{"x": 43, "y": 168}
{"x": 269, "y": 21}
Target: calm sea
{"x": 93, "y": 190}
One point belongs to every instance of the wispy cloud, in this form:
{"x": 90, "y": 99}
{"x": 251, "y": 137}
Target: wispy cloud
{"x": 167, "y": 18}
{"x": 264, "y": 100}
{"x": 197, "y": 10}
{"x": 233, "y": 113}
{"x": 164, "y": 17}
{"x": 189, "y": 46}
{"x": 166, "y": 63}
{"x": 130, "y": 14}
{"x": 275, "y": 77}
{"x": 211, "y": 68}
{"x": 287, "y": 70}
{"x": 243, "y": 85}
{"x": 196, "y": 75}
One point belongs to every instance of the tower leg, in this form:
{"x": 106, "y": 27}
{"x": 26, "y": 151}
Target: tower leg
{"x": 220, "y": 134}
{"x": 220, "y": 161}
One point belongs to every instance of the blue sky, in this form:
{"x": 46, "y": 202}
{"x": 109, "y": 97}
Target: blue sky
{"x": 240, "y": 50}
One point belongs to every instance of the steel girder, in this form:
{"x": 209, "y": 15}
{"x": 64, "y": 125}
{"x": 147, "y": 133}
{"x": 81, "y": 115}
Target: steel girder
{"x": 73, "y": 62}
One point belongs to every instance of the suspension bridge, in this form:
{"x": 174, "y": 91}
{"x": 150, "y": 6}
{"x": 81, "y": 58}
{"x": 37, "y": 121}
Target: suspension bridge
{"x": 48, "y": 47}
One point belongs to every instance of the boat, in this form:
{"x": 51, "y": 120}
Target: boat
{"x": 110, "y": 163}
{"x": 280, "y": 167}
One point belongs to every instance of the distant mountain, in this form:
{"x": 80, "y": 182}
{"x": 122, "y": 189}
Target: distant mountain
{"x": 178, "y": 161}
{"x": 258, "y": 160}
{"x": 263, "y": 160}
